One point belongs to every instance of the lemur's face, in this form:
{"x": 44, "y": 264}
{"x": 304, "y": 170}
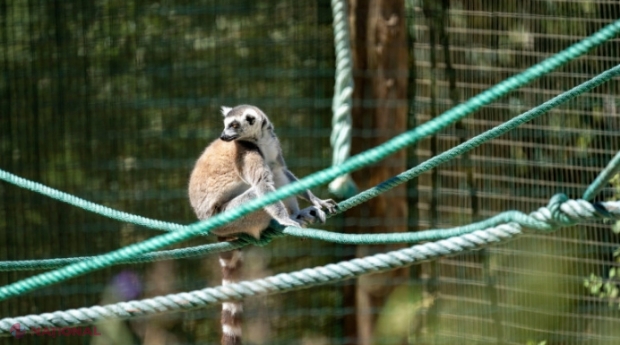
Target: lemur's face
{"x": 242, "y": 122}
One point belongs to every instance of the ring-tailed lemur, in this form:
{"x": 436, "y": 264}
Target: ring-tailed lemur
{"x": 243, "y": 164}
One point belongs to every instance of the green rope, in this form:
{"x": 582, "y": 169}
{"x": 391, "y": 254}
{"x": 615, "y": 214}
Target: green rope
{"x": 480, "y": 139}
{"x": 601, "y": 180}
{"x": 355, "y": 162}
{"x": 184, "y": 253}
{"x": 279, "y": 283}
{"x": 414, "y": 237}
{"x": 87, "y": 205}
{"x": 277, "y": 230}
{"x": 343, "y": 186}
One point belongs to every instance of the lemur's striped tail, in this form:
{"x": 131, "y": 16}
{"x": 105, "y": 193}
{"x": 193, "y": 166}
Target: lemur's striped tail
{"x": 231, "y": 263}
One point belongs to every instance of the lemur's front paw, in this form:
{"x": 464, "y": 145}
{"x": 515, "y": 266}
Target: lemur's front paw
{"x": 310, "y": 215}
{"x": 330, "y": 205}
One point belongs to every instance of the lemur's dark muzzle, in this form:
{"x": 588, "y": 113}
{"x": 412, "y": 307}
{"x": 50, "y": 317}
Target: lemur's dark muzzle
{"x": 228, "y": 137}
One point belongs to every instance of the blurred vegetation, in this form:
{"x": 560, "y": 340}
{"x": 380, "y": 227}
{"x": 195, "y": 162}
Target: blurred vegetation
{"x": 607, "y": 287}
{"x": 114, "y": 100}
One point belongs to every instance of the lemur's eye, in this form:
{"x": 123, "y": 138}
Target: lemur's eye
{"x": 250, "y": 119}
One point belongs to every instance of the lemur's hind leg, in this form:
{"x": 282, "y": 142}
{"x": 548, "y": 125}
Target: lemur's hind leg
{"x": 255, "y": 222}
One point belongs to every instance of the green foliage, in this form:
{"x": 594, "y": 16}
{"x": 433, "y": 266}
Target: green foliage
{"x": 607, "y": 288}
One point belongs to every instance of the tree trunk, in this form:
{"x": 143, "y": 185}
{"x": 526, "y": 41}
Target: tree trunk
{"x": 378, "y": 38}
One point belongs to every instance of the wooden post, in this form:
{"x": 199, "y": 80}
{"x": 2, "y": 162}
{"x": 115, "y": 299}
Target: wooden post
{"x": 378, "y": 35}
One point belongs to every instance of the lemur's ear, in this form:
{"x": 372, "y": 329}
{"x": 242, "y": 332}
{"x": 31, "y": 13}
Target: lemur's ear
{"x": 225, "y": 110}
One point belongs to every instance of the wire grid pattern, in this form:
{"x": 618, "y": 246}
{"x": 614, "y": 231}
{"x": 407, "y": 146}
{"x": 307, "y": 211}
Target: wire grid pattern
{"x": 133, "y": 94}
{"x": 538, "y": 279}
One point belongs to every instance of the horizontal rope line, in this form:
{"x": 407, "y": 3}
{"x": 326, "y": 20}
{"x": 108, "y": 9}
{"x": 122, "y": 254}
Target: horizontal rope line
{"x": 277, "y": 231}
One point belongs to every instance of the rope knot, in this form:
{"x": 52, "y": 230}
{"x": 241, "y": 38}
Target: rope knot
{"x": 553, "y": 215}
{"x": 562, "y": 211}
{"x": 560, "y": 215}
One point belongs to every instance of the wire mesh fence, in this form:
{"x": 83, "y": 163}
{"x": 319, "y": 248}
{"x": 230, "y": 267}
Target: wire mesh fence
{"x": 113, "y": 101}
{"x": 531, "y": 290}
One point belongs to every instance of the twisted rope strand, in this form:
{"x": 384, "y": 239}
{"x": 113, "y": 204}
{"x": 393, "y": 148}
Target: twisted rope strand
{"x": 267, "y": 286}
{"x": 342, "y": 186}
{"x": 278, "y": 231}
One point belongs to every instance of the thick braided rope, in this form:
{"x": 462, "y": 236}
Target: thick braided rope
{"x": 560, "y": 212}
{"x": 343, "y": 186}
{"x": 613, "y": 166}
{"x": 355, "y": 162}
{"x": 278, "y": 231}
{"x": 272, "y": 285}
